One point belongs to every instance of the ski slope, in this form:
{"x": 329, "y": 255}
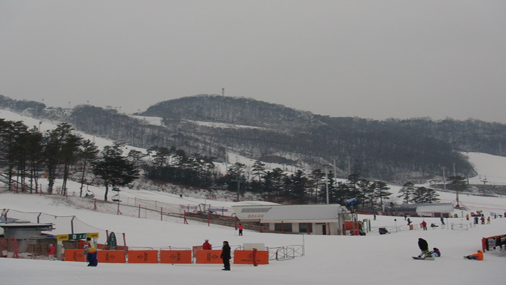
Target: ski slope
{"x": 371, "y": 259}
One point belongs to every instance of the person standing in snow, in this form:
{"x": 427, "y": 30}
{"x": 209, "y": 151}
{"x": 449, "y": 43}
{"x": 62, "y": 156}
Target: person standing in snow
{"x": 91, "y": 253}
{"x": 424, "y": 247}
{"x": 3, "y": 216}
{"x": 51, "y": 252}
{"x": 424, "y": 225}
{"x": 207, "y": 245}
{"x": 240, "y": 227}
{"x": 225, "y": 255}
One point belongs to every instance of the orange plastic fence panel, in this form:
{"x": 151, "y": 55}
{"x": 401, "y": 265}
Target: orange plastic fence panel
{"x": 111, "y": 256}
{"x": 209, "y": 256}
{"x": 176, "y": 256}
{"x": 143, "y": 256}
{"x": 246, "y": 257}
{"x": 74, "y": 255}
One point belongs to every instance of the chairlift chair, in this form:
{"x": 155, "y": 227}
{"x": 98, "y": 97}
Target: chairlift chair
{"x": 116, "y": 198}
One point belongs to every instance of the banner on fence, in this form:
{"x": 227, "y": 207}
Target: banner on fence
{"x": 246, "y": 257}
{"x": 176, "y": 256}
{"x": 74, "y": 255}
{"x": 209, "y": 256}
{"x": 143, "y": 256}
{"x": 111, "y": 256}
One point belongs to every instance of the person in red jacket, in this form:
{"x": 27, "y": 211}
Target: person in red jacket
{"x": 207, "y": 245}
{"x": 51, "y": 252}
{"x": 240, "y": 227}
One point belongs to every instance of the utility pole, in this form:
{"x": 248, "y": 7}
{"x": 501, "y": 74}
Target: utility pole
{"x": 444, "y": 177}
{"x": 238, "y": 188}
{"x": 335, "y": 169}
{"x": 349, "y": 165}
{"x": 327, "y": 183}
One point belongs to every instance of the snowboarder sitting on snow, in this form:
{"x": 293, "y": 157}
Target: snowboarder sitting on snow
{"x": 433, "y": 225}
{"x": 424, "y": 247}
{"x": 435, "y": 252}
{"x": 477, "y": 256}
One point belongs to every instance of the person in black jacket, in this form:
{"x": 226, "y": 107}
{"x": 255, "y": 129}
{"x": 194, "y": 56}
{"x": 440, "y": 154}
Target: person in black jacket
{"x": 424, "y": 247}
{"x": 225, "y": 255}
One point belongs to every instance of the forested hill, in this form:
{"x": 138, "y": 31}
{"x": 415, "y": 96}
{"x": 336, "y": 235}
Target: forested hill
{"x": 390, "y": 150}
{"x": 240, "y": 111}
{"x": 468, "y": 136}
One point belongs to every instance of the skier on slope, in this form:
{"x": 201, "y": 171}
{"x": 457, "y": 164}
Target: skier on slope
{"x": 424, "y": 247}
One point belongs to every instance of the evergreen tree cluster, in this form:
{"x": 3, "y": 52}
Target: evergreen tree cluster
{"x": 60, "y": 153}
{"x": 417, "y": 195}
{"x": 27, "y": 154}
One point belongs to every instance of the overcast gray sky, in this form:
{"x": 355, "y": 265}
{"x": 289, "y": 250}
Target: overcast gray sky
{"x": 370, "y": 59}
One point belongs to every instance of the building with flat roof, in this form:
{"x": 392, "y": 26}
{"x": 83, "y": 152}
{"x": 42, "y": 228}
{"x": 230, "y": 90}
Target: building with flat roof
{"x": 328, "y": 219}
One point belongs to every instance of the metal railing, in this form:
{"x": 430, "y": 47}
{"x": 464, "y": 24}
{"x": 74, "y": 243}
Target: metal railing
{"x": 285, "y": 252}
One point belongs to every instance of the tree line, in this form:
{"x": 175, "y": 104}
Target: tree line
{"x": 27, "y": 154}
{"x": 61, "y": 153}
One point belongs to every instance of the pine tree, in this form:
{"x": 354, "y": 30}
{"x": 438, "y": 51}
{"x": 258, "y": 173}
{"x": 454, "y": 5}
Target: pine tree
{"x": 87, "y": 153}
{"x": 114, "y": 169}
{"x": 406, "y": 192}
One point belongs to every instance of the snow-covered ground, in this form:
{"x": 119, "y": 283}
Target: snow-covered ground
{"x": 371, "y": 259}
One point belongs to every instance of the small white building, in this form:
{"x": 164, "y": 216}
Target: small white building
{"x": 435, "y": 210}
{"x": 317, "y": 219}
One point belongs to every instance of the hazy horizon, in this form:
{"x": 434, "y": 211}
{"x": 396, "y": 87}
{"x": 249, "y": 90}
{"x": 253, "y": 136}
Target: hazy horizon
{"x": 367, "y": 59}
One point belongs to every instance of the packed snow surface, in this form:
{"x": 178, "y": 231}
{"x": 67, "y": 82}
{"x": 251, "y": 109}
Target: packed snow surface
{"x": 371, "y": 259}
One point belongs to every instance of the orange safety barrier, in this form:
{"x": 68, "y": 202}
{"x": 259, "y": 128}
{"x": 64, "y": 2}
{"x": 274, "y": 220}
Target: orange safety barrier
{"x": 209, "y": 256}
{"x": 246, "y": 257}
{"x": 143, "y": 256}
{"x": 111, "y": 256}
{"x": 176, "y": 256}
{"x": 74, "y": 255}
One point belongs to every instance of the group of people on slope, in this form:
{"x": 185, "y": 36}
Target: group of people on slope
{"x": 91, "y": 252}
{"x": 424, "y": 247}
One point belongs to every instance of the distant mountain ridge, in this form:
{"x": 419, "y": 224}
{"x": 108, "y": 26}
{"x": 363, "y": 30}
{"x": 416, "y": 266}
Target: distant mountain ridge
{"x": 240, "y": 111}
{"x": 391, "y": 150}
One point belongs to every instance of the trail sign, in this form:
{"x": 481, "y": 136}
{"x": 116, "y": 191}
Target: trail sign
{"x": 77, "y": 236}
{"x": 93, "y": 235}
{"x": 72, "y": 237}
